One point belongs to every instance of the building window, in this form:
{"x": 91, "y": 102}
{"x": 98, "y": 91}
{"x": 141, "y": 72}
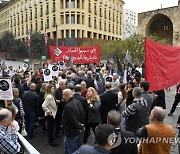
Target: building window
{"x": 67, "y": 19}
{"x": 54, "y": 7}
{"x": 83, "y": 33}
{"x": 89, "y": 8}
{"x": 31, "y": 28}
{"x": 67, "y": 4}
{"x": 67, "y": 33}
{"x": 100, "y": 24}
{"x": 62, "y": 33}
{"x": 72, "y": 19}
{"x": 95, "y": 26}
{"x": 89, "y": 22}
{"x": 95, "y": 9}
{"x": 105, "y": 27}
{"x": 14, "y": 22}
{"x": 47, "y": 23}
{"x": 47, "y": 9}
{"x": 41, "y": 25}
{"x": 41, "y": 12}
{"x": 54, "y": 21}
{"x": 78, "y": 19}
{"x": 26, "y": 17}
{"x": 78, "y": 3}
{"x": 36, "y": 26}
{"x": 18, "y": 20}
{"x": 83, "y": 19}
{"x": 15, "y": 32}
{"x": 30, "y": 15}
{"x": 62, "y": 19}
{"x": 72, "y": 33}
{"x": 100, "y": 12}
{"x": 35, "y": 15}
{"x": 26, "y": 29}
{"x": 78, "y": 34}
{"x": 72, "y": 4}
{"x": 22, "y": 31}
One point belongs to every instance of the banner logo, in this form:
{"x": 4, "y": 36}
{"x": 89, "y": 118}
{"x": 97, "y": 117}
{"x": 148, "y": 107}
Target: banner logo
{"x": 57, "y": 51}
{"x": 47, "y": 72}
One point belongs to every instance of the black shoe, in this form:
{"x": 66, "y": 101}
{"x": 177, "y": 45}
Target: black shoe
{"x": 170, "y": 114}
{"x": 53, "y": 144}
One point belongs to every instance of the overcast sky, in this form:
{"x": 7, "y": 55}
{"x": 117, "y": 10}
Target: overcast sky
{"x": 147, "y": 5}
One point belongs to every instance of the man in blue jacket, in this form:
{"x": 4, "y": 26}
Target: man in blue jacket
{"x": 103, "y": 145}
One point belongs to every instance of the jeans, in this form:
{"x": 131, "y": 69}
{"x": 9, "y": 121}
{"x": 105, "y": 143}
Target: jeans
{"x": 70, "y": 144}
{"x": 80, "y": 139}
{"x": 123, "y": 120}
{"x": 30, "y": 118}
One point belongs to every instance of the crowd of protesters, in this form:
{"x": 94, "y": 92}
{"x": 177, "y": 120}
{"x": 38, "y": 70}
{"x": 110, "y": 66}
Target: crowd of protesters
{"x": 82, "y": 98}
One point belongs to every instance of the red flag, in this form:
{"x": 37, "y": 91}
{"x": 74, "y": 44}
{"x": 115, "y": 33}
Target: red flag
{"x": 162, "y": 65}
{"x": 29, "y": 40}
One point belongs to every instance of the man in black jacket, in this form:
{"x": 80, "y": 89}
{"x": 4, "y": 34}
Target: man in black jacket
{"x": 58, "y": 96}
{"x": 109, "y": 100}
{"x": 77, "y": 95}
{"x": 83, "y": 101}
{"x": 73, "y": 120}
{"x": 124, "y": 145}
{"x": 30, "y": 103}
{"x": 89, "y": 80}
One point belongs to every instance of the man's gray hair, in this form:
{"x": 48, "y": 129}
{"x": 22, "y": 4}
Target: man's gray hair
{"x": 137, "y": 92}
{"x": 159, "y": 113}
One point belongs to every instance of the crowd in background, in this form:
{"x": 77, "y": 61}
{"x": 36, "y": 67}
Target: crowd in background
{"x": 85, "y": 98}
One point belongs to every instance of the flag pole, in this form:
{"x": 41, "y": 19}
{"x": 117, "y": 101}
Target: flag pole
{"x": 29, "y": 45}
{"x": 45, "y": 42}
{"x": 56, "y": 36}
{"x": 145, "y": 74}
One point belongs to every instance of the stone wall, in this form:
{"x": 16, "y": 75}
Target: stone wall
{"x": 173, "y": 13}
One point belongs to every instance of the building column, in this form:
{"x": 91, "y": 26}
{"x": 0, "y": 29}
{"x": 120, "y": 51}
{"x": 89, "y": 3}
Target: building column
{"x": 64, "y": 4}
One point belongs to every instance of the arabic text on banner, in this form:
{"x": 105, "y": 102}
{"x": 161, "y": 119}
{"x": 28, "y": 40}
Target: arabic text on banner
{"x": 80, "y": 55}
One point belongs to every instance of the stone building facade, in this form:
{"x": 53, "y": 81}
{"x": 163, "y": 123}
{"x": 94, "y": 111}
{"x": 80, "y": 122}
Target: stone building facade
{"x": 95, "y": 19}
{"x": 164, "y": 23}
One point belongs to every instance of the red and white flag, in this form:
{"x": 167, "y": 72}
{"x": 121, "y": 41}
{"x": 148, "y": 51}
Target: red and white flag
{"x": 29, "y": 40}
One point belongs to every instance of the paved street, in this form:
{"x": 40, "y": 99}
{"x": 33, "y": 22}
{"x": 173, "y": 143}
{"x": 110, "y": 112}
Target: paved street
{"x": 41, "y": 144}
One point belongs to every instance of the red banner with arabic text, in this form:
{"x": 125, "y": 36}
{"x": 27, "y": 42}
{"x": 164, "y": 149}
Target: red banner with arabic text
{"x": 80, "y": 55}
